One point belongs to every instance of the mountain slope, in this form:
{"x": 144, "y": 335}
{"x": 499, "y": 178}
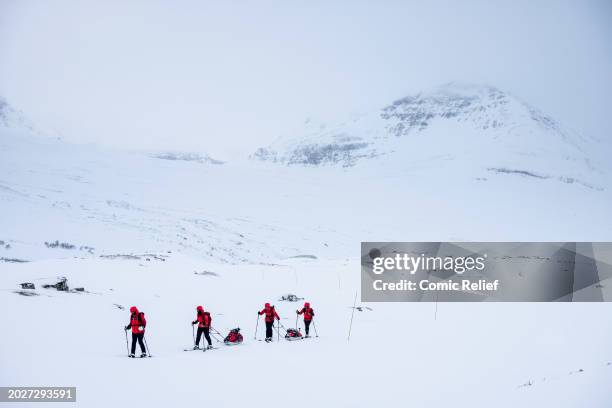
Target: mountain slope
{"x": 468, "y": 130}
{"x": 447, "y": 177}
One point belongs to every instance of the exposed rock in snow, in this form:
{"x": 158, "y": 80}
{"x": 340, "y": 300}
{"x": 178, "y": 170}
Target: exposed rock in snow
{"x": 26, "y": 293}
{"x": 13, "y": 260}
{"x": 290, "y": 297}
{"x": 192, "y": 157}
{"x": 61, "y": 285}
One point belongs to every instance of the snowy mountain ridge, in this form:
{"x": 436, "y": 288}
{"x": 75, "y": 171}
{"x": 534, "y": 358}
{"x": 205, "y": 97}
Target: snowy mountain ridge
{"x": 456, "y": 126}
{"x": 484, "y": 107}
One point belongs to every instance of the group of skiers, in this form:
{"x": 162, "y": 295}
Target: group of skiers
{"x": 138, "y": 323}
{"x": 271, "y": 315}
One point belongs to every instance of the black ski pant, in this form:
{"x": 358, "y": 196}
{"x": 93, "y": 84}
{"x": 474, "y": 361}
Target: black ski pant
{"x": 307, "y": 325}
{"x": 269, "y": 326}
{"x": 206, "y": 332}
{"x": 139, "y": 337}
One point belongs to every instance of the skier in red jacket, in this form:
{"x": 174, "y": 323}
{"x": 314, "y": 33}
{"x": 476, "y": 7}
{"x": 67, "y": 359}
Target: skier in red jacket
{"x": 270, "y": 316}
{"x": 204, "y": 321}
{"x": 138, "y": 324}
{"x": 308, "y": 313}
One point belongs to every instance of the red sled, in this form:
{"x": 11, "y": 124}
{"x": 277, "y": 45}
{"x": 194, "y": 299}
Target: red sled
{"x": 293, "y": 335}
{"x": 233, "y": 338}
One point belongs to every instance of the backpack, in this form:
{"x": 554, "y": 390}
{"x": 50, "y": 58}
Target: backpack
{"x": 308, "y": 313}
{"x": 139, "y": 317}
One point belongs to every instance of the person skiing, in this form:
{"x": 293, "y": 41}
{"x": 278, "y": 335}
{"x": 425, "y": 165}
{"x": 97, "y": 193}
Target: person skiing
{"x": 138, "y": 324}
{"x": 308, "y": 313}
{"x": 270, "y": 316}
{"x": 204, "y": 321}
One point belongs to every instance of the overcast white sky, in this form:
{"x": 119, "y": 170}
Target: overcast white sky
{"x": 225, "y": 77}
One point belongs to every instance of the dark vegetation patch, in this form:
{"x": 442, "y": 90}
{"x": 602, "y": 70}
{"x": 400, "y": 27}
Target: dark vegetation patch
{"x": 13, "y": 260}
{"x": 206, "y": 273}
{"x": 515, "y": 171}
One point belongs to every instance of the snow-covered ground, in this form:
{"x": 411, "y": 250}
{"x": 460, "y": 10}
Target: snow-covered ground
{"x": 140, "y": 228}
{"x": 421, "y": 354}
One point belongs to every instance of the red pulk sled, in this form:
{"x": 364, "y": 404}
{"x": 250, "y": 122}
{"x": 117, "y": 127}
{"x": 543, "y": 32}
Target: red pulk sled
{"x": 233, "y": 338}
{"x": 293, "y": 334}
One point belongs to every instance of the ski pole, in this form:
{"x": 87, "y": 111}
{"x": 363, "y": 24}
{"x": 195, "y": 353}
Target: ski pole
{"x": 127, "y": 348}
{"x": 256, "y": 326}
{"x": 146, "y": 345}
{"x": 296, "y": 319}
{"x": 315, "y": 327}
{"x": 278, "y": 331}
{"x": 193, "y": 333}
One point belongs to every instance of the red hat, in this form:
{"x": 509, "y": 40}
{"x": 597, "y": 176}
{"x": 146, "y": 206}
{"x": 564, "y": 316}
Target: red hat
{"x": 200, "y": 309}
{"x": 306, "y": 304}
{"x": 267, "y": 305}
{"x": 134, "y": 309}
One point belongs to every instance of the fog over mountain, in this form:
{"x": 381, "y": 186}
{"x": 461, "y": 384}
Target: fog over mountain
{"x": 228, "y": 78}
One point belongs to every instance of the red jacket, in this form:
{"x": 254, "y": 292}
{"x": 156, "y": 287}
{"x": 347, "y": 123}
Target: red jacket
{"x": 307, "y": 311}
{"x": 270, "y": 313}
{"x": 137, "y": 320}
{"x": 203, "y": 319}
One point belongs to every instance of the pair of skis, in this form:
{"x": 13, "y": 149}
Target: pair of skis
{"x": 201, "y": 349}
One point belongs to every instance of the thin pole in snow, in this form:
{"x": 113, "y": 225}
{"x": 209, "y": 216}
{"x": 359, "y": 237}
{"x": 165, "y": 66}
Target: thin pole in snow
{"x": 352, "y": 314}
{"x": 436, "y": 311}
